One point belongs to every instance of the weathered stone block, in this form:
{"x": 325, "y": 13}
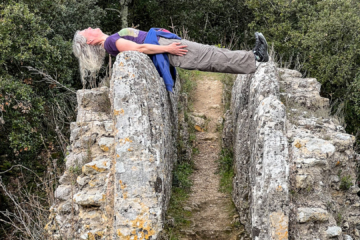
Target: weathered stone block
{"x": 63, "y": 192}
{"x": 96, "y": 166}
{"x": 105, "y": 143}
{"x": 92, "y": 197}
{"x": 312, "y": 214}
{"x": 333, "y": 231}
{"x": 146, "y": 119}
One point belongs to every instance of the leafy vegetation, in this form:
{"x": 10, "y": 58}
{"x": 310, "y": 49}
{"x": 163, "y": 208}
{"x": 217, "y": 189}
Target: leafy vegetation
{"x": 321, "y": 39}
{"x": 346, "y": 183}
{"x": 39, "y": 74}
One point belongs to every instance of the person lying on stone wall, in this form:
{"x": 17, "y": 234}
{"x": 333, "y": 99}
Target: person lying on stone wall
{"x": 90, "y": 46}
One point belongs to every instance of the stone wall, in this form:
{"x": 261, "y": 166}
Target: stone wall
{"x": 294, "y": 164}
{"x": 117, "y": 181}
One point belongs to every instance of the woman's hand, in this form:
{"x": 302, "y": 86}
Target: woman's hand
{"x": 177, "y": 49}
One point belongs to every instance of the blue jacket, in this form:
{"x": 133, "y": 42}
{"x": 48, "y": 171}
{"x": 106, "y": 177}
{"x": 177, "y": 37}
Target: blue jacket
{"x": 161, "y": 60}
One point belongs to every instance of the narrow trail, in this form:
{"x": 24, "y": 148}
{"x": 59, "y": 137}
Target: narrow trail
{"x": 211, "y": 209}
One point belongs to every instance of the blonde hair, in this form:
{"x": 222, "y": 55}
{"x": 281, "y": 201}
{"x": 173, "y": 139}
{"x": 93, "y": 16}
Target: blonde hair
{"x": 91, "y": 58}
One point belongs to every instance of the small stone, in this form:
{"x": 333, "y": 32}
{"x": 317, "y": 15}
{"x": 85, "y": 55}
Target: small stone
{"x": 347, "y": 237}
{"x": 66, "y": 178}
{"x": 63, "y": 192}
{"x": 197, "y": 121}
{"x": 333, "y": 231}
{"x": 93, "y": 197}
{"x": 96, "y": 166}
{"x": 75, "y": 160}
{"x": 106, "y": 143}
{"x": 68, "y": 206}
{"x": 335, "y": 178}
{"x": 216, "y": 106}
{"x": 109, "y": 126}
{"x": 187, "y": 209}
{"x": 312, "y": 214}
{"x": 82, "y": 180}
{"x": 301, "y": 181}
{"x": 207, "y": 137}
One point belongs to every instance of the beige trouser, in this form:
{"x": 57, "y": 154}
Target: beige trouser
{"x": 211, "y": 59}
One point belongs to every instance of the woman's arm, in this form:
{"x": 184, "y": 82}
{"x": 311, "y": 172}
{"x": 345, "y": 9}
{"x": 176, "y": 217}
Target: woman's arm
{"x": 174, "y": 48}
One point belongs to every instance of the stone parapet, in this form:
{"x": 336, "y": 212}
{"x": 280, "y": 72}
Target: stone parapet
{"x": 117, "y": 181}
{"x": 261, "y": 187}
{"x": 295, "y": 167}
{"x": 145, "y": 146}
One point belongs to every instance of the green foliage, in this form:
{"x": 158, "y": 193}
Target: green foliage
{"x": 179, "y": 195}
{"x": 209, "y": 22}
{"x": 226, "y": 170}
{"x": 324, "y": 38}
{"x": 346, "y": 183}
{"x": 22, "y": 113}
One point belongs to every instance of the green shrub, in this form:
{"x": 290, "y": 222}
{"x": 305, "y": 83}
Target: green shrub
{"x": 346, "y": 183}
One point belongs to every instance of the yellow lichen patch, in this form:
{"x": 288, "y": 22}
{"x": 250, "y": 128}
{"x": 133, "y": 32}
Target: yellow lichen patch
{"x": 103, "y": 198}
{"x": 143, "y": 226}
{"x": 122, "y": 237}
{"x": 298, "y": 145}
{"x": 92, "y": 183}
{"x": 91, "y": 236}
{"x": 118, "y": 112}
{"x": 130, "y": 149}
{"x": 125, "y": 140}
{"x": 96, "y": 168}
{"x": 125, "y": 195}
{"x": 117, "y": 155}
{"x": 87, "y": 227}
{"x": 279, "y": 226}
{"x": 122, "y": 185}
{"x": 151, "y": 159}
{"x": 121, "y": 64}
{"x": 104, "y": 148}
{"x": 337, "y": 163}
{"x": 90, "y": 215}
{"x": 279, "y": 188}
{"x": 99, "y": 234}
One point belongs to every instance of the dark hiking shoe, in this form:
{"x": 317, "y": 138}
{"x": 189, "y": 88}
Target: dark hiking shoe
{"x": 260, "y": 49}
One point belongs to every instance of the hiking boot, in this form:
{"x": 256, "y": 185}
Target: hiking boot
{"x": 260, "y": 49}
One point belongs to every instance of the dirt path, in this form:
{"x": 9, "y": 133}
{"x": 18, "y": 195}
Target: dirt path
{"x": 211, "y": 209}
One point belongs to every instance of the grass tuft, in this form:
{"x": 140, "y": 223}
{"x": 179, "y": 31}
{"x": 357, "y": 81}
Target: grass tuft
{"x": 226, "y": 170}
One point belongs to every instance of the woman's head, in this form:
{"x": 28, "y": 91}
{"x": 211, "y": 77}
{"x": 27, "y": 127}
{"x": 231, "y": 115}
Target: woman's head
{"x": 90, "y": 54}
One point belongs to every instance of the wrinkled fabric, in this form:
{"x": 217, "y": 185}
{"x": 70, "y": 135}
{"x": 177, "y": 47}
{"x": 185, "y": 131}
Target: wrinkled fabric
{"x": 161, "y": 60}
{"x": 212, "y": 59}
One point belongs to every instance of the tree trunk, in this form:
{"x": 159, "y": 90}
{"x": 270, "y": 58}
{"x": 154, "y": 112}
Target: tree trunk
{"x": 124, "y": 12}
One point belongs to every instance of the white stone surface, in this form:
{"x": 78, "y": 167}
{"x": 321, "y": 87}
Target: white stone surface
{"x": 63, "y": 192}
{"x": 312, "y": 214}
{"x": 96, "y": 167}
{"x": 105, "y": 143}
{"x": 333, "y": 231}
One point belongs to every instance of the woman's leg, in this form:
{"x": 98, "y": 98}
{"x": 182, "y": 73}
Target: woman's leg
{"x": 212, "y": 59}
